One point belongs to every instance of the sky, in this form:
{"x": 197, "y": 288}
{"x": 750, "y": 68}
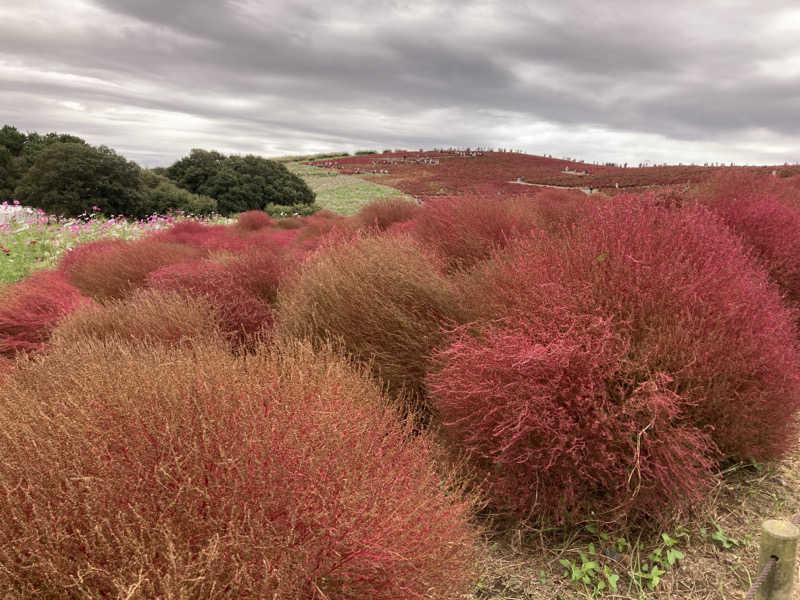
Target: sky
{"x": 614, "y": 81}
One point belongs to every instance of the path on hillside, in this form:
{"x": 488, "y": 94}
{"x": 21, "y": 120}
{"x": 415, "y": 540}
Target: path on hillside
{"x": 585, "y": 190}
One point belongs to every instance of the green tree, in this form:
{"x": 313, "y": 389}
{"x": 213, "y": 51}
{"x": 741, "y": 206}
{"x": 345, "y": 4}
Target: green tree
{"x": 239, "y": 183}
{"x": 193, "y": 171}
{"x": 161, "y": 195}
{"x": 12, "y": 139}
{"x": 69, "y": 178}
{"x": 8, "y": 174}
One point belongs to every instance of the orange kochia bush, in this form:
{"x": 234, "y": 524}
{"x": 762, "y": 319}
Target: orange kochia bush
{"x": 608, "y": 369}
{"x": 186, "y": 472}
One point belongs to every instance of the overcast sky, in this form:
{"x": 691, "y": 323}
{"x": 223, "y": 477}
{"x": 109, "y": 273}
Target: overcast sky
{"x": 695, "y": 81}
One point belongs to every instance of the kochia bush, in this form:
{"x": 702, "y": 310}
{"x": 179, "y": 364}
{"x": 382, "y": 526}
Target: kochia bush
{"x": 186, "y": 473}
{"x": 769, "y": 225}
{"x": 639, "y": 349}
{"x": 108, "y": 270}
{"x": 230, "y": 287}
{"x": 383, "y": 297}
{"x": 383, "y": 212}
{"x": 465, "y": 230}
{"x": 145, "y": 316}
{"x": 32, "y": 307}
{"x": 253, "y": 220}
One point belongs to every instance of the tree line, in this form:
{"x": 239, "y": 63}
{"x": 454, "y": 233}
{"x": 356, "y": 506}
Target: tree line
{"x": 64, "y": 175}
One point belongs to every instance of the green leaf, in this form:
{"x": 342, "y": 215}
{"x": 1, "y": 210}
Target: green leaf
{"x": 612, "y": 579}
{"x": 673, "y": 554}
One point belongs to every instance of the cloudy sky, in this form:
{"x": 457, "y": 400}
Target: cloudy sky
{"x": 618, "y": 80}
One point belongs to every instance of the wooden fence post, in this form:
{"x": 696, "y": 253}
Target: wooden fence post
{"x": 778, "y": 540}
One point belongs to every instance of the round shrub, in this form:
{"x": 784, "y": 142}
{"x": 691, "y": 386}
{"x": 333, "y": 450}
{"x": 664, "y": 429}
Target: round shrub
{"x": 32, "y": 307}
{"x": 144, "y": 316}
{"x": 108, "y": 271}
{"x": 236, "y": 300}
{"x": 253, "y": 220}
{"x": 188, "y": 473}
{"x": 383, "y": 297}
{"x": 682, "y": 313}
{"x": 383, "y": 212}
{"x": 465, "y": 230}
{"x": 769, "y": 226}
{"x": 207, "y": 238}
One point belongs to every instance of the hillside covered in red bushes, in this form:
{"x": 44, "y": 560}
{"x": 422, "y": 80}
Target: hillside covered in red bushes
{"x": 463, "y": 171}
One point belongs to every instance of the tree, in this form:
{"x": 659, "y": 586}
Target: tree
{"x": 35, "y": 143}
{"x": 69, "y": 178}
{"x": 193, "y": 171}
{"x": 161, "y": 195}
{"x": 12, "y": 139}
{"x": 239, "y": 183}
{"x": 8, "y": 174}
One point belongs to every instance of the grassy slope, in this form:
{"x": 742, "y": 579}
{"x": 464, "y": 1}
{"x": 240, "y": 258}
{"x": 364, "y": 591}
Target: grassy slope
{"x": 343, "y": 194}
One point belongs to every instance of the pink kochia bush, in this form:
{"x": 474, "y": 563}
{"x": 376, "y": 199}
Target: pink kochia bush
{"x": 610, "y": 369}
{"x": 30, "y": 309}
{"x": 189, "y": 473}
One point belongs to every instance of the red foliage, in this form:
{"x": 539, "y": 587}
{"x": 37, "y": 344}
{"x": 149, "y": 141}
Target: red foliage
{"x": 202, "y": 237}
{"x": 187, "y": 473}
{"x": 385, "y": 212}
{"x": 105, "y": 271}
{"x": 466, "y": 229}
{"x": 685, "y": 312}
{"x": 237, "y": 290}
{"x": 31, "y": 308}
{"x": 765, "y": 212}
{"x": 535, "y": 404}
{"x": 459, "y": 172}
{"x": 253, "y": 220}
{"x": 74, "y": 256}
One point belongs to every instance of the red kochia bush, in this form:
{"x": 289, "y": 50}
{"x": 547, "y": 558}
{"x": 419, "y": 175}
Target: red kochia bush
{"x": 112, "y": 271}
{"x": 628, "y": 356}
{"x": 383, "y": 212}
{"x": 465, "y": 229}
{"x": 31, "y": 308}
{"x": 187, "y": 473}
{"x": 239, "y": 290}
{"x": 253, "y": 220}
{"x": 769, "y": 225}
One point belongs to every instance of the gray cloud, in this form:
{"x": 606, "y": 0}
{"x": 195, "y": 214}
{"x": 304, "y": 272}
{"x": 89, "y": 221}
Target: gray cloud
{"x": 602, "y": 81}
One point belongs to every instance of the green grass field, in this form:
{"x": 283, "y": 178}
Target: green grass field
{"x": 343, "y": 194}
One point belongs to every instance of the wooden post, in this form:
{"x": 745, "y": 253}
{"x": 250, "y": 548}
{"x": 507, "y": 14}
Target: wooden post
{"x": 779, "y": 540}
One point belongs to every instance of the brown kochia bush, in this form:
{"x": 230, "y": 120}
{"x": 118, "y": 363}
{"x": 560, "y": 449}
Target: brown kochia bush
{"x": 146, "y": 316}
{"x": 383, "y": 297}
{"x": 106, "y": 271}
{"x": 148, "y": 472}
{"x": 606, "y": 370}
{"x": 32, "y": 307}
{"x": 383, "y": 212}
